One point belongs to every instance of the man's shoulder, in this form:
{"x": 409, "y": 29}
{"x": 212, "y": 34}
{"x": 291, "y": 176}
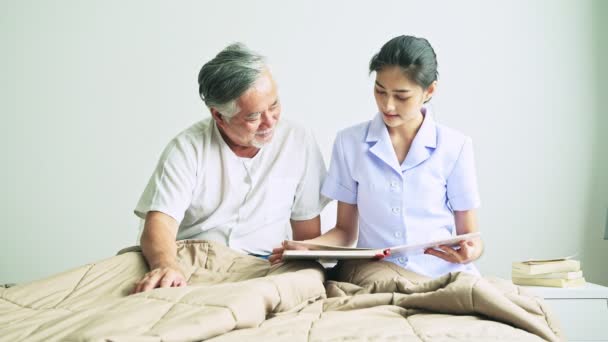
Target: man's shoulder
{"x": 291, "y": 130}
{"x": 196, "y": 132}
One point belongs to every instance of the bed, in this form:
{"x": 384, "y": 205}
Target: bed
{"x": 236, "y": 297}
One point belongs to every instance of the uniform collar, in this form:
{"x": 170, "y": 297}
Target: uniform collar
{"x": 423, "y": 145}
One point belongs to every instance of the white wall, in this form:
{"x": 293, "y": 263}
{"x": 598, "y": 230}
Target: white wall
{"x": 596, "y": 223}
{"x": 92, "y": 91}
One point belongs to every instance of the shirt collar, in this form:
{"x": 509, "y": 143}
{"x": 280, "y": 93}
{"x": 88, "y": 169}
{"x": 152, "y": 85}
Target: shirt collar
{"x": 424, "y": 142}
{"x": 226, "y": 148}
{"x": 423, "y": 145}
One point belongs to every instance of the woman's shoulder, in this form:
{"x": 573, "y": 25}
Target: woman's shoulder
{"x": 450, "y": 136}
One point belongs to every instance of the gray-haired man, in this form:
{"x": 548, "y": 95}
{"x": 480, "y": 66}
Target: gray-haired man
{"x": 239, "y": 177}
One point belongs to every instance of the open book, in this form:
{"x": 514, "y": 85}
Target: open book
{"x": 317, "y": 251}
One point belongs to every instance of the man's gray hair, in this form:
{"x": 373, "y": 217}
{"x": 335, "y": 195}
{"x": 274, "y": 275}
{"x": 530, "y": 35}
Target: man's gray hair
{"x": 226, "y": 77}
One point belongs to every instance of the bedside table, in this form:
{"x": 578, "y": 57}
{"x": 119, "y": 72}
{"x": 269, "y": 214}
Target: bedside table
{"x": 582, "y": 311}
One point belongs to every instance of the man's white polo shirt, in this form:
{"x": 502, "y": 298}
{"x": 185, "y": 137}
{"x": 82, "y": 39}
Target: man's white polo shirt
{"x": 245, "y": 203}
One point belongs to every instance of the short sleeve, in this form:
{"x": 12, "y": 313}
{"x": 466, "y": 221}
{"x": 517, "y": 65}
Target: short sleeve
{"x": 308, "y": 201}
{"x": 339, "y": 184}
{"x": 462, "y": 189}
{"x": 170, "y": 188}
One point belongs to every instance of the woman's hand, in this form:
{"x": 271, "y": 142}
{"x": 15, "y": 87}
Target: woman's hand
{"x": 468, "y": 251}
{"x": 277, "y": 253}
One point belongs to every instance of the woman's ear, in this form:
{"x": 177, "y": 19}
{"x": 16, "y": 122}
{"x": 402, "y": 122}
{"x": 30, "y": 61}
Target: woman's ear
{"x": 430, "y": 91}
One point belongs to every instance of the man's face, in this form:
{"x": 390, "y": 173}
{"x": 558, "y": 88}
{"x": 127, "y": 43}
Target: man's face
{"x": 259, "y": 112}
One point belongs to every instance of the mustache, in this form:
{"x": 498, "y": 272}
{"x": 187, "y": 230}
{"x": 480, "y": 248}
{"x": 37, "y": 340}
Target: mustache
{"x": 264, "y": 132}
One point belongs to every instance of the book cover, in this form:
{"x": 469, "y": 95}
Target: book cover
{"x": 549, "y": 282}
{"x": 533, "y": 267}
{"x": 318, "y": 251}
{"x": 552, "y": 275}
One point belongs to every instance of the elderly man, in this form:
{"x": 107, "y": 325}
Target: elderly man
{"x": 237, "y": 178}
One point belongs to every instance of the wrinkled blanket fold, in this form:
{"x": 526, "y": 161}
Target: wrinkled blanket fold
{"x": 236, "y": 297}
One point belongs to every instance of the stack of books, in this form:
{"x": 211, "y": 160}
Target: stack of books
{"x": 561, "y": 272}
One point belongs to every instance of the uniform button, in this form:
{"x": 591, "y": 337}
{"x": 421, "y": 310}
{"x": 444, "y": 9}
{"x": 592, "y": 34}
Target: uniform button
{"x": 401, "y": 260}
{"x": 396, "y": 210}
{"x": 394, "y": 186}
{"x": 398, "y": 234}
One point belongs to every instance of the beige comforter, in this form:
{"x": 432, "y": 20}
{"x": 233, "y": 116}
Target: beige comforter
{"x": 233, "y": 297}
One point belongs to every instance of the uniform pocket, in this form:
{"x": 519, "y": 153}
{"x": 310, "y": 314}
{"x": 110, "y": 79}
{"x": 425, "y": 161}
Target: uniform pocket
{"x": 425, "y": 191}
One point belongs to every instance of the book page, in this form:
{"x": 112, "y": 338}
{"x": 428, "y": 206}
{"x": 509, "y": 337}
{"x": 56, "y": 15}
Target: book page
{"x": 321, "y": 247}
{"x": 333, "y": 254}
{"x": 401, "y": 250}
{"x": 544, "y": 261}
{"x": 420, "y": 248}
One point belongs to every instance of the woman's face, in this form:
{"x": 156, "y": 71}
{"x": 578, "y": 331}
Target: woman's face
{"x": 399, "y": 99}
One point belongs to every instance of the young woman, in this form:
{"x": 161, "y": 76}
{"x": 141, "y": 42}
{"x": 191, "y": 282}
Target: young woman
{"x": 402, "y": 178}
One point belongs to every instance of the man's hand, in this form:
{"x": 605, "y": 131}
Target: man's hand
{"x": 160, "y": 251}
{"x": 170, "y": 276}
{"x": 469, "y": 250}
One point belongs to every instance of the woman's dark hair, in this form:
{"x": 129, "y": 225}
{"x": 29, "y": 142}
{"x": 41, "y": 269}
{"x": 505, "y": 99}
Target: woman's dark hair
{"x": 415, "y": 56}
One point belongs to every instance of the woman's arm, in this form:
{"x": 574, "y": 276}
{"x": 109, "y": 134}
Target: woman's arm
{"x": 306, "y": 229}
{"x": 343, "y": 234}
{"x": 470, "y": 250}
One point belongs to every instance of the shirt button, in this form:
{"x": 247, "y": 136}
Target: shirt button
{"x": 394, "y": 186}
{"x": 398, "y": 234}
{"x": 401, "y": 260}
{"x": 396, "y": 210}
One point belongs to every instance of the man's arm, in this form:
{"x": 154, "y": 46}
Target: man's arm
{"x": 160, "y": 251}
